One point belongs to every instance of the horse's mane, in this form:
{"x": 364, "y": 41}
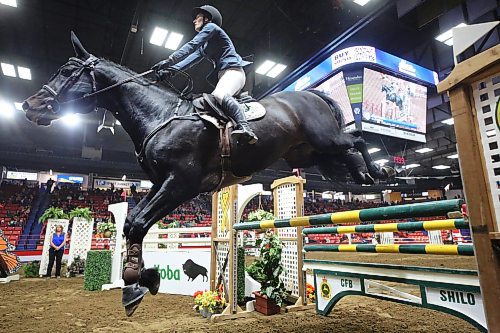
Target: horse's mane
{"x": 142, "y": 80}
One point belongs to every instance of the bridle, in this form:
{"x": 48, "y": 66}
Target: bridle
{"x": 89, "y": 65}
{"x": 84, "y": 65}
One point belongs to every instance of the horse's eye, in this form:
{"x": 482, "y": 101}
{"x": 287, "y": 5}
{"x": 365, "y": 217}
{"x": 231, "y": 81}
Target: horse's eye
{"x": 66, "y": 72}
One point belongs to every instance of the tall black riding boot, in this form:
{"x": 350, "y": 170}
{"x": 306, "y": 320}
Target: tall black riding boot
{"x": 242, "y": 132}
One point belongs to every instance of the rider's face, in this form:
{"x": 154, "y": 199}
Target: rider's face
{"x": 198, "y": 22}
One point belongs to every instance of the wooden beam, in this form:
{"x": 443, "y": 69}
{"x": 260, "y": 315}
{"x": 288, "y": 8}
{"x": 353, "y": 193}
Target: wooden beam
{"x": 476, "y": 187}
{"x": 470, "y": 68}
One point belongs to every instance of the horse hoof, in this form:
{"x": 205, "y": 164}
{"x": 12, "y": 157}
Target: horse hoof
{"x": 132, "y": 296}
{"x": 130, "y": 275}
{"x": 150, "y": 278}
{"x": 389, "y": 172}
{"x": 369, "y": 179}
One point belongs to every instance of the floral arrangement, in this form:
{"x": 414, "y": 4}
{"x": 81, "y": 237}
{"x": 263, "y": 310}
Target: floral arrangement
{"x": 259, "y": 215}
{"x": 311, "y": 295}
{"x": 211, "y": 300}
{"x": 106, "y": 226}
{"x": 268, "y": 267}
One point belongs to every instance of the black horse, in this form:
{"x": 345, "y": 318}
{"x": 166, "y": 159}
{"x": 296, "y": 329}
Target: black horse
{"x": 391, "y": 95}
{"x": 180, "y": 152}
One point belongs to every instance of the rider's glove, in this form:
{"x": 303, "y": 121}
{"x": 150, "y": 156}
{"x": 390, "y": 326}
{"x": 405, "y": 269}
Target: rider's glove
{"x": 163, "y": 74}
{"x": 163, "y": 64}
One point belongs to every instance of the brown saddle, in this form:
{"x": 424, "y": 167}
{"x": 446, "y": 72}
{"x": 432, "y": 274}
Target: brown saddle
{"x": 207, "y": 108}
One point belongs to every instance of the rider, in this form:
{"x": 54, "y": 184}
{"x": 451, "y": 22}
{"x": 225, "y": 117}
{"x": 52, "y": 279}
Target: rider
{"x": 214, "y": 44}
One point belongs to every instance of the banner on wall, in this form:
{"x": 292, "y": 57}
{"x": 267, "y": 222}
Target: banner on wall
{"x": 22, "y": 175}
{"x": 106, "y": 183}
{"x": 70, "y": 179}
{"x": 182, "y": 272}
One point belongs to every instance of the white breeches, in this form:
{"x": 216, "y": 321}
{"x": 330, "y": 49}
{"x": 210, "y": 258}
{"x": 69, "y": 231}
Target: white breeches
{"x": 231, "y": 81}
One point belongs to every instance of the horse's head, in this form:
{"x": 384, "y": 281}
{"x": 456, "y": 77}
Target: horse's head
{"x": 64, "y": 92}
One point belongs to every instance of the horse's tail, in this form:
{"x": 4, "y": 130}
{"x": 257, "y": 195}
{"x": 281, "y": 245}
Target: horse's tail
{"x": 337, "y": 112}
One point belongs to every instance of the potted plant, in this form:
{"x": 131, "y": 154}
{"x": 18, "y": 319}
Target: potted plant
{"x": 311, "y": 295}
{"x": 83, "y": 213}
{"x": 53, "y": 213}
{"x": 107, "y": 229}
{"x": 76, "y": 267}
{"x": 267, "y": 270}
{"x": 209, "y": 302}
{"x": 259, "y": 215}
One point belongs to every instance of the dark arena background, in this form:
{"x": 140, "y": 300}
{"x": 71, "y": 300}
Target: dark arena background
{"x": 379, "y": 217}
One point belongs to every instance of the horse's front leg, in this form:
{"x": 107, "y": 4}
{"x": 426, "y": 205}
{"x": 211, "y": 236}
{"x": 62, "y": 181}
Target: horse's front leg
{"x": 137, "y": 209}
{"x": 175, "y": 190}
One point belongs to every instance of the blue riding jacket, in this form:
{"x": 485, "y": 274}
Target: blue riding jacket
{"x": 213, "y": 44}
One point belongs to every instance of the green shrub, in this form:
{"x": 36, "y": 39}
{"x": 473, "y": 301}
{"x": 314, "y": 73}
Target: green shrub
{"x": 241, "y": 275}
{"x": 97, "y": 270}
{"x": 31, "y": 269}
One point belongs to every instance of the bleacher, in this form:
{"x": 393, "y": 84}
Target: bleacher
{"x": 15, "y": 206}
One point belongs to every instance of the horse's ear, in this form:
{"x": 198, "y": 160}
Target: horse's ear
{"x": 78, "y": 47}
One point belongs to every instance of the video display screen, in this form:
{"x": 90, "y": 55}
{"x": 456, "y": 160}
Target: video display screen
{"x": 393, "y": 102}
{"x": 336, "y": 89}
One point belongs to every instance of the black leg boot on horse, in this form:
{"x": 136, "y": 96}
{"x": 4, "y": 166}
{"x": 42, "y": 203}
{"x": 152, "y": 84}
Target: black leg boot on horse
{"x": 137, "y": 280}
{"x": 242, "y": 133}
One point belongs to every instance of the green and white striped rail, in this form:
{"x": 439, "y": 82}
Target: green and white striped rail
{"x": 425, "y": 209}
{"x": 448, "y": 224}
{"x": 464, "y": 250}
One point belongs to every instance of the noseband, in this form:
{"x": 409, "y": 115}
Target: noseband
{"x": 89, "y": 65}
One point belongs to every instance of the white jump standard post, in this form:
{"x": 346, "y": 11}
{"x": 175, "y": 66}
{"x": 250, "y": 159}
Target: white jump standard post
{"x": 119, "y": 211}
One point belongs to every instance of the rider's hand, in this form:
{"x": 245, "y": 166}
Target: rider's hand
{"x": 163, "y": 74}
{"x": 163, "y": 64}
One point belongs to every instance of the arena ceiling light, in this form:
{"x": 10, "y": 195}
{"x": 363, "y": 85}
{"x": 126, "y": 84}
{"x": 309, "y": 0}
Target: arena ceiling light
{"x": 423, "y": 150}
{"x": 441, "y": 167}
{"x": 173, "y": 40}
{"x": 265, "y": 67}
{"x": 6, "y": 110}
{"x": 170, "y": 40}
{"x": 411, "y": 166}
{"x": 8, "y": 69}
{"x": 270, "y": 68}
{"x": 452, "y": 156}
{"x": 447, "y": 36}
{"x": 12, "y": 3}
{"x": 448, "y": 121}
{"x": 381, "y": 161}
{"x": 361, "y": 2}
{"x": 276, "y": 70}
{"x": 18, "y": 106}
{"x": 71, "y": 120}
{"x": 24, "y": 73}
{"x": 158, "y": 36}
{"x": 373, "y": 150}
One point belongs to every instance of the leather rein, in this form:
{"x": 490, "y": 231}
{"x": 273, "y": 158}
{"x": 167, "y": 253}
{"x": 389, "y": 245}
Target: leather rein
{"x": 89, "y": 65}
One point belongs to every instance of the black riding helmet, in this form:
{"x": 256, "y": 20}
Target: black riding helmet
{"x": 210, "y": 12}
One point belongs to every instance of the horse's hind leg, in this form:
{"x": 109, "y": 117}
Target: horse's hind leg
{"x": 375, "y": 170}
{"x": 331, "y": 166}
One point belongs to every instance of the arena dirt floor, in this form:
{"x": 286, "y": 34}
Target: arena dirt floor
{"x": 39, "y": 305}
